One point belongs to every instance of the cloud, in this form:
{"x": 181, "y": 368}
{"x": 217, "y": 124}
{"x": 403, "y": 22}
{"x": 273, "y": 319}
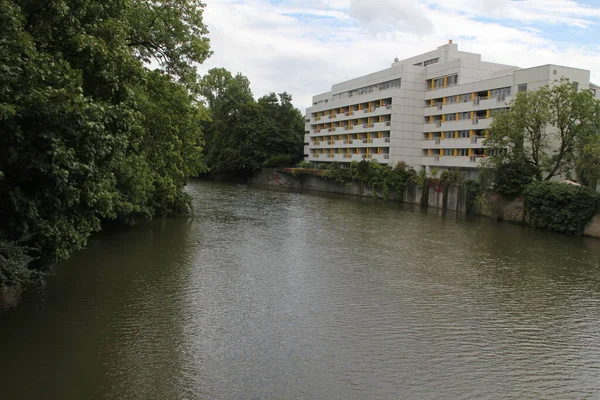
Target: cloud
{"x": 385, "y": 15}
{"x": 305, "y": 46}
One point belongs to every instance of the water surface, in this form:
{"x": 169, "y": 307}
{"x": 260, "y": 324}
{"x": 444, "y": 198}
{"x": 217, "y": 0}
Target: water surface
{"x": 276, "y": 295}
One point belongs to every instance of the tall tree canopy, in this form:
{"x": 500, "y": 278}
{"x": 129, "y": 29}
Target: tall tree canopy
{"x": 543, "y": 130}
{"x": 244, "y": 134}
{"x": 88, "y": 132}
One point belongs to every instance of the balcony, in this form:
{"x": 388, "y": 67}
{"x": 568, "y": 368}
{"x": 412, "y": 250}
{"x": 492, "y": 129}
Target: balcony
{"x": 451, "y": 161}
{"x": 451, "y": 143}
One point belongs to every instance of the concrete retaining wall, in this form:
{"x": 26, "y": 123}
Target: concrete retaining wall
{"x": 593, "y": 229}
{"x": 491, "y": 206}
{"x": 412, "y": 194}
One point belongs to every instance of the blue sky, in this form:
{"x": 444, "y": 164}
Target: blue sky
{"x": 305, "y": 46}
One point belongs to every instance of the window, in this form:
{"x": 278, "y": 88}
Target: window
{"x": 418, "y": 64}
{"x": 432, "y": 61}
{"x": 448, "y": 152}
{"x": 439, "y": 83}
{"x": 463, "y": 152}
{"x": 497, "y": 111}
{"x": 464, "y": 115}
{"x": 465, "y": 98}
{"x": 452, "y": 80}
{"x": 451, "y": 100}
{"x": 522, "y": 87}
{"x": 451, "y": 117}
{"x": 593, "y": 92}
{"x": 576, "y": 85}
{"x": 501, "y": 93}
{"x": 464, "y": 134}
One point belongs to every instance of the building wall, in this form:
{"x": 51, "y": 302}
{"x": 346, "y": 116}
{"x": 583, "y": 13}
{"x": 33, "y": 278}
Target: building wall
{"x": 416, "y": 124}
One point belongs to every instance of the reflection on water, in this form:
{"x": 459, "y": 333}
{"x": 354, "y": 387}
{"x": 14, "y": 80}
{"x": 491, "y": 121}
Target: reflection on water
{"x": 270, "y": 295}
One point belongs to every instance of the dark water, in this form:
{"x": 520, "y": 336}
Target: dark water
{"x": 273, "y": 295}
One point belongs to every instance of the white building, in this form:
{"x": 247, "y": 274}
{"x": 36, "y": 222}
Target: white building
{"x": 431, "y": 110}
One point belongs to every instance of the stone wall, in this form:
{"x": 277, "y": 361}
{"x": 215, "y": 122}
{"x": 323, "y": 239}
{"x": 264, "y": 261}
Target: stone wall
{"x": 496, "y": 207}
{"x": 412, "y": 195}
{"x": 593, "y": 229}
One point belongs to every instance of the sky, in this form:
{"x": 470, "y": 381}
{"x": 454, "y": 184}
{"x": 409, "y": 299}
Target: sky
{"x": 305, "y": 46}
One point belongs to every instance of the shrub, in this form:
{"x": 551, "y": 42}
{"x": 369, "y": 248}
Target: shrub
{"x": 509, "y": 179}
{"x": 278, "y": 160}
{"x": 337, "y": 173}
{"x": 305, "y": 164}
{"x": 14, "y": 265}
{"x": 560, "y": 207}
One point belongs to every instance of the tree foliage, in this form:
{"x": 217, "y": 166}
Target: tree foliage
{"x": 560, "y": 207}
{"x": 88, "y": 132}
{"x": 244, "y": 134}
{"x": 542, "y": 129}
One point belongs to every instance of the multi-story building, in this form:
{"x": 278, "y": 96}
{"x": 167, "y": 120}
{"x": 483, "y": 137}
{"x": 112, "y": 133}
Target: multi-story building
{"x": 431, "y": 110}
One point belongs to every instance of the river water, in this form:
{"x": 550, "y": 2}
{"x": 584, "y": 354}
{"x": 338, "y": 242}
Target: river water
{"x": 276, "y": 295}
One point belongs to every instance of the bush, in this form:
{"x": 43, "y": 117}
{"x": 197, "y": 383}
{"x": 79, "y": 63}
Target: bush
{"x": 305, "y": 165}
{"x": 14, "y": 265}
{"x": 337, "y": 173}
{"x": 509, "y": 179}
{"x": 560, "y": 207}
{"x": 278, "y": 160}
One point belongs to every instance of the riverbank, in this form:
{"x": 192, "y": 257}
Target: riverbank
{"x": 452, "y": 198}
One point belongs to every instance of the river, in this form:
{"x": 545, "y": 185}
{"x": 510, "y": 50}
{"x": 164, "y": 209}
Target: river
{"x": 277, "y": 295}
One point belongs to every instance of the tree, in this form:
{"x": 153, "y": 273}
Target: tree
{"x": 588, "y": 160}
{"x": 170, "y": 33}
{"x": 542, "y": 129}
{"x": 243, "y": 134}
{"x": 83, "y": 133}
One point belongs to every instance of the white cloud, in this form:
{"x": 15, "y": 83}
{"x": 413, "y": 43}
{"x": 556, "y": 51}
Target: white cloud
{"x": 385, "y": 15}
{"x": 305, "y": 46}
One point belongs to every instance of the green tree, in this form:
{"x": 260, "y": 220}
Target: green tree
{"x": 244, "y": 134}
{"x": 82, "y": 138}
{"x": 542, "y": 128}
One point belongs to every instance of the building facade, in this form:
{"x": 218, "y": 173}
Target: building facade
{"x": 430, "y": 111}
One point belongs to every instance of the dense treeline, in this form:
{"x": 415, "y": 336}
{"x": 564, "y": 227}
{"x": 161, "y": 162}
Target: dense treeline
{"x": 88, "y": 132}
{"x": 242, "y": 134}
{"x": 102, "y": 120}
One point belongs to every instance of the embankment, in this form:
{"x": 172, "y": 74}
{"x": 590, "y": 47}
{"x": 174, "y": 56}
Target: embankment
{"x": 452, "y": 198}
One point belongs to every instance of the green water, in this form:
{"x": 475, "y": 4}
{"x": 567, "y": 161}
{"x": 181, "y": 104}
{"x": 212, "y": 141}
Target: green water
{"x": 276, "y": 295}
